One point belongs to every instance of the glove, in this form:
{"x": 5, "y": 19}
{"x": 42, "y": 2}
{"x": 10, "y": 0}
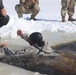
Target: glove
{"x": 2, "y": 45}
{"x": 19, "y": 32}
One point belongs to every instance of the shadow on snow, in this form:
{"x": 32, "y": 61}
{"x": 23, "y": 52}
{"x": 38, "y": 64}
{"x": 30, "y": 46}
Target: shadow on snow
{"x": 46, "y": 20}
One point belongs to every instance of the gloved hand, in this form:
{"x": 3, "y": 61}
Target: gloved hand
{"x": 19, "y": 32}
{"x": 2, "y": 45}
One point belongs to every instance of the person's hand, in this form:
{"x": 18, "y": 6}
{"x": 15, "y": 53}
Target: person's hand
{"x": 2, "y": 45}
{"x": 19, "y": 32}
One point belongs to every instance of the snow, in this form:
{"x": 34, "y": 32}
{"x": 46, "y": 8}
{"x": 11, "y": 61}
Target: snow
{"x": 49, "y": 19}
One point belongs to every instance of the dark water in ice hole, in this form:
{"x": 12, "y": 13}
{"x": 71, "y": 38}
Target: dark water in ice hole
{"x": 65, "y": 64}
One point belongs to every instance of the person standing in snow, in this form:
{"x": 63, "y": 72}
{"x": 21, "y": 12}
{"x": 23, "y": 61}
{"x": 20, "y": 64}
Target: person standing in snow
{"x": 67, "y": 6}
{"x": 28, "y": 7}
{"x": 4, "y": 18}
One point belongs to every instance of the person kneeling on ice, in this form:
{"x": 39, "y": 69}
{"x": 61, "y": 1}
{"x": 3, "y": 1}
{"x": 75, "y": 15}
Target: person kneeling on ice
{"x": 28, "y": 7}
{"x": 4, "y": 18}
{"x": 37, "y": 45}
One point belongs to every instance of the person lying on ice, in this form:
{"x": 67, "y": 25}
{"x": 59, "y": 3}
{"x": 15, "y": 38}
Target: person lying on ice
{"x": 36, "y": 45}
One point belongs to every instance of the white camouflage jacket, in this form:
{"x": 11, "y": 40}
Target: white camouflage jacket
{"x": 31, "y": 49}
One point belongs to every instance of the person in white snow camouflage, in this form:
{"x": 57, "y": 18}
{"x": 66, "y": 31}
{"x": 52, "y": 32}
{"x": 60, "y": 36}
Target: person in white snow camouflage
{"x": 36, "y": 45}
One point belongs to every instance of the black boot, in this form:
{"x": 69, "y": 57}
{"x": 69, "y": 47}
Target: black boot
{"x": 63, "y": 19}
{"x": 33, "y": 19}
{"x": 71, "y": 19}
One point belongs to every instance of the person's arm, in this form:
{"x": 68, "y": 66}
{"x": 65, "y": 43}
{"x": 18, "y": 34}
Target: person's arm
{"x": 23, "y": 36}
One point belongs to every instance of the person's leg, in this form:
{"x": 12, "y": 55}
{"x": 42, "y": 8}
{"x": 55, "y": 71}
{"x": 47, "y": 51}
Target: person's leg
{"x": 64, "y": 4}
{"x": 19, "y": 10}
{"x": 71, "y": 10}
{"x": 35, "y": 10}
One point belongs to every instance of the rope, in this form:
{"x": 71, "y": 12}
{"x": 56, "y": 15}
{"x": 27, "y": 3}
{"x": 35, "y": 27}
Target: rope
{"x": 40, "y": 50}
{"x": 73, "y": 23}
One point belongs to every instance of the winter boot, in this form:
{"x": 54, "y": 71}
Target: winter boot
{"x": 63, "y": 19}
{"x": 19, "y": 15}
{"x": 71, "y": 19}
{"x": 33, "y": 19}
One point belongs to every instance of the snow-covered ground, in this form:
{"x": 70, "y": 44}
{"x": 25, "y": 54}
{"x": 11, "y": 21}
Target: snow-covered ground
{"x": 49, "y": 19}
